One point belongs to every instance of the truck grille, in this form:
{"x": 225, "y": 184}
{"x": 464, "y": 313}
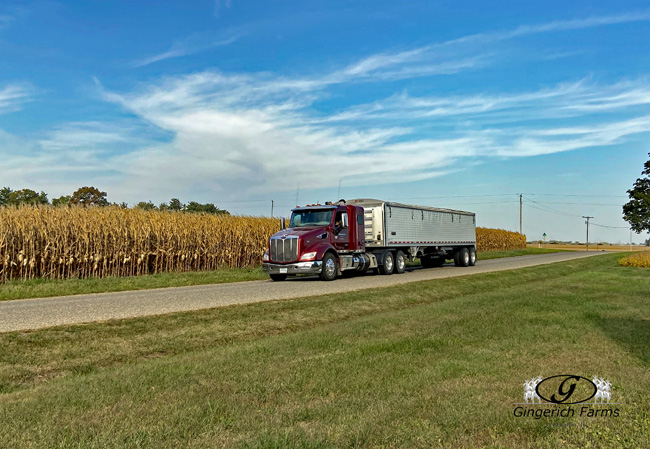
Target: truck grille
{"x": 284, "y": 250}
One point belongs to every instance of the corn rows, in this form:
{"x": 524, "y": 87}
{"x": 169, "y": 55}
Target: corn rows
{"x": 488, "y": 239}
{"x": 77, "y": 242}
{"x": 640, "y": 259}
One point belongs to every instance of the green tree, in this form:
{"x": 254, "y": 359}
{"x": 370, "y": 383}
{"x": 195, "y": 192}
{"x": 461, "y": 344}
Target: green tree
{"x": 207, "y": 208}
{"x": 175, "y": 204}
{"x": 145, "y": 205}
{"x": 63, "y": 200}
{"x": 637, "y": 210}
{"x": 26, "y": 196}
{"x": 89, "y": 196}
{"x": 4, "y": 195}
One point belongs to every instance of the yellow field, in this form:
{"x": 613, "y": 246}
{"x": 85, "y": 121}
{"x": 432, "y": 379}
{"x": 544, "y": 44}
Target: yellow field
{"x": 639, "y": 259}
{"x": 488, "y": 239}
{"x": 592, "y": 247}
{"x": 75, "y": 242}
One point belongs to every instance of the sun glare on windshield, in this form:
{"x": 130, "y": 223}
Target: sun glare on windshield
{"x": 310, "y": 218}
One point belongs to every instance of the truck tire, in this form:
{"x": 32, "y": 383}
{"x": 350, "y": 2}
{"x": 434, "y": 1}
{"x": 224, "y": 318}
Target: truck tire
{"x": 472, "y": 257}
{"x": 463, "y": 257}
{"x": 330, "y": 267}
{"x": 426, "y": 262}
{"x": 400, "y": 262}
{"x": 278, "y": 277}
{"x": 438, "y": 261}
{"x": 457, "y": 258}
{"x": 389, "y": 264}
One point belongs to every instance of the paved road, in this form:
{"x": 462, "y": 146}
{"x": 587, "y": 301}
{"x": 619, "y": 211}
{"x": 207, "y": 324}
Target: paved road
{"x": 45, "y": 312}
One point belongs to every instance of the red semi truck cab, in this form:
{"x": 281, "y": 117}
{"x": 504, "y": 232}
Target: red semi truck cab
{"x": 317, "y": 241}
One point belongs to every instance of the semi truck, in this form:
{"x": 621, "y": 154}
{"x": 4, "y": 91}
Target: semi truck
{"x": 355, "y": 236}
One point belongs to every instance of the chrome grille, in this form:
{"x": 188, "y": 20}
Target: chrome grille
{"x": 284, "y": 250}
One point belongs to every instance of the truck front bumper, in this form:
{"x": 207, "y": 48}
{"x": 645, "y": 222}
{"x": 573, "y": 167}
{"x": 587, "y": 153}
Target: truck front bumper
{"x": 293, "y": 268}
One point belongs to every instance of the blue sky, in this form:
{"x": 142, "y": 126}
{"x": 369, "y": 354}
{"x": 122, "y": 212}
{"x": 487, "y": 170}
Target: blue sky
{"x": 452, "y": 104}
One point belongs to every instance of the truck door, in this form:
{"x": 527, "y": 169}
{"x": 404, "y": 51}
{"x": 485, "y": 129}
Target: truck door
{"x": 341, "y": 241}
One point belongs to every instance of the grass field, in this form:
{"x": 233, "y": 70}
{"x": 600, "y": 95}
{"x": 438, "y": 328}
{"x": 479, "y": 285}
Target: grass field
{"x": 429, "y": 364}
{"x": 40, "y": 288}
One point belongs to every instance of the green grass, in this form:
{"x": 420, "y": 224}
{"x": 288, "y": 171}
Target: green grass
{"x": 428, "y": 364}
{"x": 41, "y": 288}
{"x": 486, "y": 255}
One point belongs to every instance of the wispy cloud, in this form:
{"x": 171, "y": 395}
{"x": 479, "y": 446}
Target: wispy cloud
{"x": 191, "y": 45}
{"x": 13, "y": 96}
{"x": 237, "y": 134}
{"x": 219, "y": 5}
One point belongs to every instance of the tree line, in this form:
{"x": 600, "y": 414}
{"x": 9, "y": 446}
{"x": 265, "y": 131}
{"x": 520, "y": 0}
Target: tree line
{"x": 91, "y": 196}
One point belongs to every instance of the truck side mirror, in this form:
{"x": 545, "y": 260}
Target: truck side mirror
{"x": 345, "y": 220}
{"x": 283, "y": 223}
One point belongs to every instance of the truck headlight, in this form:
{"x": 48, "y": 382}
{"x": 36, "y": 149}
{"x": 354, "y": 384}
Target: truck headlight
{"x": 265, "y": 257}
{"x": 308, "y": 256}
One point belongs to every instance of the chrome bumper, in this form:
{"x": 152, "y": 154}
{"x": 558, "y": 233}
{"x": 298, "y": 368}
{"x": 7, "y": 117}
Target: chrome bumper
{"x": 292, "y": 268}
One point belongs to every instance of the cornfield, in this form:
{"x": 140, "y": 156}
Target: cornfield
{"x": 640, "y": 259}
{"x": 62, "y": 243}
{"x": 488, "y": 239}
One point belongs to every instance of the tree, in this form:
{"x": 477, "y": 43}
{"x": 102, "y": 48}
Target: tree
{"x": 145, "y": 205}
{"x": 4, "y": 195}
{"x": 63, "y": 200}
{"x": 26, "y": 196}
{"x": 207, "y": 208}
{"x": 637, "y": 210}
{"x": 175, "y": 204}
{"x": 89, "y": 196}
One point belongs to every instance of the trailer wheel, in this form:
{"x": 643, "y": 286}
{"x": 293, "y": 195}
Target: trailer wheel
{"x": 472, "y": 257}
{"x": 400, "y": 262}
{"x": 278, "y": 277}
{"x": 330, "y": 267}
{"x": 463, "y": 258}
{"x": 389, "y": 264}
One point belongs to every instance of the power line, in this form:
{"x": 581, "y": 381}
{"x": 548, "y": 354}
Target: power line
{"x": 576, "y": 194}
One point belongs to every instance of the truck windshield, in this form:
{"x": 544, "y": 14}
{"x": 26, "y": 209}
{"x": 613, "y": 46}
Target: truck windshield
{"x": 310, "y": 218}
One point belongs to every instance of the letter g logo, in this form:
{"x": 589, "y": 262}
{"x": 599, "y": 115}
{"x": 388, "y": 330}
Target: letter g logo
{"x": 563, "y": 387}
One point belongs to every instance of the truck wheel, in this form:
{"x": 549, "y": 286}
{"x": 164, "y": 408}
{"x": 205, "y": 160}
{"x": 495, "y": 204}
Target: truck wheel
{"x": 400, "y": 262}
{"x": 472, "y": 257}
{"x": 389, "y": 264}
{"x": 278, "y": 277}
{"x": 463, "y": 258}
{"x": 330, "y": 268}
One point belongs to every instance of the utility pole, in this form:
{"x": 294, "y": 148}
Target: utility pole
{"x": 520, "y": 213}
{"x": 271, "y": 208}
{"x": 587, "y": 230}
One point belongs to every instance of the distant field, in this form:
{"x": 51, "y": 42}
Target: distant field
{"x": 592, "y": 247}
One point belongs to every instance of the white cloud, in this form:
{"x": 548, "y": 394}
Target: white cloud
{"x": 13, "y": 96}
{"x": 191, "y": 45}
{"x": 243, "y": 134}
